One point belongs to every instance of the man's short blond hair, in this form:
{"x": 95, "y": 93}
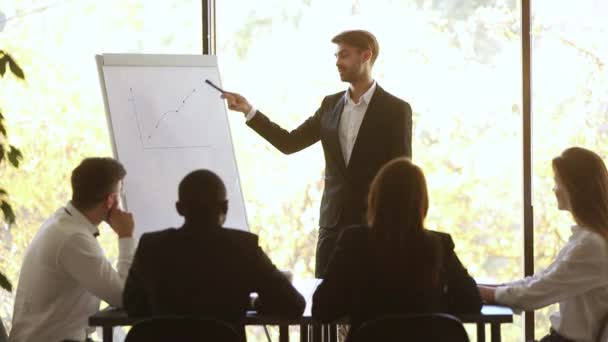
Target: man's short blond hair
{"x": 360, "y": 39}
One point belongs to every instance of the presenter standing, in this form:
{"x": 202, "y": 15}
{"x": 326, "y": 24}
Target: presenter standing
{"x": 360, "y": 129}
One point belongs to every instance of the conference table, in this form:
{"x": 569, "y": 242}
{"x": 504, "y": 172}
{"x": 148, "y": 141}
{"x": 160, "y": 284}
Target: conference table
{"x": 310, "y": 330}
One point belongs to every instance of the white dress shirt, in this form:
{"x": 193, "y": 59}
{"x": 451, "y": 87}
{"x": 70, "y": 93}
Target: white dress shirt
{"x": 63, "y": 277}
{"x": 577, "y": 280}
{"x": 350, "y": 121}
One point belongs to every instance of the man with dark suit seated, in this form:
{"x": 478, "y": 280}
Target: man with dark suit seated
{"x": 203, "y": 269}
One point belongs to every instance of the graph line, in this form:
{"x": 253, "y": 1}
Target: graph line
{"x": 140, "y": 130}
{"x": 176, "y": 111}
{"x": 133, "y": 103}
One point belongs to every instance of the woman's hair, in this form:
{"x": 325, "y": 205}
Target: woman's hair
{"x": 585, "y": 178}
{"x": 397, "y": 206}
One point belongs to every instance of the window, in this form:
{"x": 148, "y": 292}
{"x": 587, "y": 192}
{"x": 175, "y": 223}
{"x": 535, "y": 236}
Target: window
{"x": 570, "y": 108}
{"x": 458, "y": 65}
{"x": 57, "y": 117}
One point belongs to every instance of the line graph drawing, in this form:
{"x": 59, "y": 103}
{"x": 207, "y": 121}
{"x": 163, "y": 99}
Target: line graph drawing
{"x": 147, "y": 135}
{"x": 134, "y": 106}
{"x": 176, "y": 111}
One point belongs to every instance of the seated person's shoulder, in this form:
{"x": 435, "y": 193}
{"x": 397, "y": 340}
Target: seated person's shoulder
{"x": 72, "y": 241}
{"x": 355, "y": 234}
{"x": 444, "y": 238}
{"x": 240, "y": 236}
{"x": 157, "y": 236}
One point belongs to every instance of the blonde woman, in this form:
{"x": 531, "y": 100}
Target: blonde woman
{"x": 578, "y": 277}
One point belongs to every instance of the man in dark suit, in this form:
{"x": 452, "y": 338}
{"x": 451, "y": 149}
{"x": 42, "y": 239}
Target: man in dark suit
{"x": 203, "y": 269}
{"x": 360, "y": 129}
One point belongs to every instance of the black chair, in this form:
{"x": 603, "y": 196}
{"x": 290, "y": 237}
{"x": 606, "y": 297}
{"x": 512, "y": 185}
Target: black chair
{"x": 415, "y": 328}
{"x": 183, "y": 329}
{"x": 3, "y": 335}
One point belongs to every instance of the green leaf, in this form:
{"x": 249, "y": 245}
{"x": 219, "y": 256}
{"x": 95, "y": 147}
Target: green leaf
{"x": 2, "y": 128}
{"x": 14, "y": 156}
{"x": 5, "y": 283}
{"x": 9, "y": 214}
{"x": 2, "y": 66}
{"x": 3, "y": 192}
{"x": 15, "y": 68}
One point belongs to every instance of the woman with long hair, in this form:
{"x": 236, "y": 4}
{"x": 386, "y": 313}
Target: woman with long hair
{"x": 393, "y": 265}
{"x": 578, "y": 277}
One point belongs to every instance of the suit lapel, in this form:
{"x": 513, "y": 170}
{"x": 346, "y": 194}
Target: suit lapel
{"x": 372, "y": 114}
{"x": 334, "y": 128}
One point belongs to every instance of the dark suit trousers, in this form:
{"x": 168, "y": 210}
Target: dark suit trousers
{"x": 328, "y": 237}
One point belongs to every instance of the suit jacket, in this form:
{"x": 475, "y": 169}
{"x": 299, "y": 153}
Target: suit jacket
{"x": 207, "y": 272}
{"x": 385, "y": 133}
{"x": 354, "y": 287}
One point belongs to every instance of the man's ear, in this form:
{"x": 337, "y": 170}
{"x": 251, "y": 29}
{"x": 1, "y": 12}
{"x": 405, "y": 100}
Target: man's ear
{"x": 111, "y": 201}
{"x": 224, "y": 207}
{"x": 367, "y": 55}
{"x": 180, "y": 208}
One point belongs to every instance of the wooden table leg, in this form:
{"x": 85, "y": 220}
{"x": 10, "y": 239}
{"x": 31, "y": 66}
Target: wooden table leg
{"x": 481, "y": 332}
{"x": 495, "y": 330}
{"x": 317, "y": 335}
{"x": 283, "y": 333}
{"x": 108, "y": 334}
{"x": 303, "y": 332}
{"x": 332, "y": 329}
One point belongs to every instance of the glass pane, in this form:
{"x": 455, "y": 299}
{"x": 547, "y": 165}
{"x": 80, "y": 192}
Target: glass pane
{"x": 570, "y": 107}
{"x": 57, "y": 116}
{"x": 457, "y": 63}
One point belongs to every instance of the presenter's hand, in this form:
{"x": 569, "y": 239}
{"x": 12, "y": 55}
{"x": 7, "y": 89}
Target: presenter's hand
{"x": 237, "y": 102}
{"x": 121, "y": 222}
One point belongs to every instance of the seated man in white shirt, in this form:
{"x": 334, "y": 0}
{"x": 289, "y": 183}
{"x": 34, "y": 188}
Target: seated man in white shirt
{"x": 65, "y": 273}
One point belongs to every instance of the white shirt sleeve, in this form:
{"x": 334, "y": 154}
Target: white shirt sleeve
{"x": 83, "y": 258}
{"x": 576, "y": 272}
{"x": 251, "y": 113}
{"x": 524, "y": 280}
{"x": 126, "y": 252}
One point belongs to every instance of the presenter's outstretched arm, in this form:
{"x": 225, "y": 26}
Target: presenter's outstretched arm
{"x": 308, "y": 133}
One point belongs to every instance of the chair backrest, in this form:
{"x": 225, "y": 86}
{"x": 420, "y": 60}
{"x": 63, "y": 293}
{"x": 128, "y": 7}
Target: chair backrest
{"x": 402, "y": 328}
{"x": 182, "y": 329}
{"x": 3, "y": 335}
{"x": 603, "y": 335}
